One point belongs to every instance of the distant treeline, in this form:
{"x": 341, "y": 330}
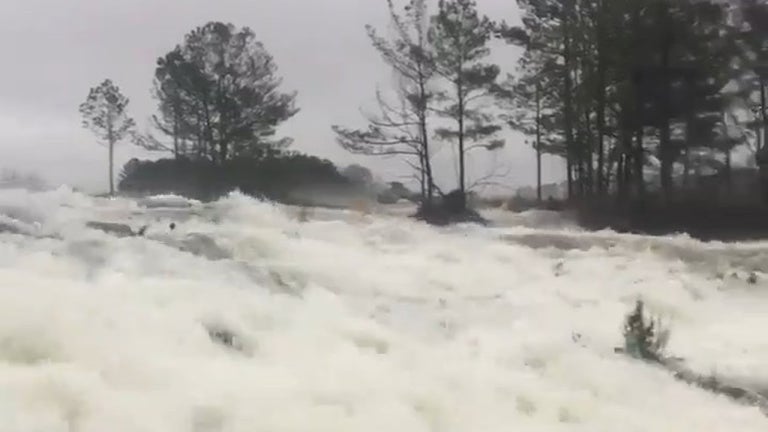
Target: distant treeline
{"x": 276, "y": 175}
{"x": 701, "y": 219}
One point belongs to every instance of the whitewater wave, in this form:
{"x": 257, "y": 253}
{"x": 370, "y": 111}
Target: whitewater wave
{"x": 245, "y": 317}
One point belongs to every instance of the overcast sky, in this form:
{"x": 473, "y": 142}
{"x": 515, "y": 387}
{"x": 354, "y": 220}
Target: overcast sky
{"x": 55, "y": 50}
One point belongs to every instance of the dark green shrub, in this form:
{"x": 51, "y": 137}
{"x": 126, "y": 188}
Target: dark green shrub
{"x": 644, "y": 338}
{"x": 274, "y": 176}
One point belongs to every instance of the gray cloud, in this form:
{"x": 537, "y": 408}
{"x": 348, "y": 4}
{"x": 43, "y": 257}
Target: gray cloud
{"x": 56, "y": 50}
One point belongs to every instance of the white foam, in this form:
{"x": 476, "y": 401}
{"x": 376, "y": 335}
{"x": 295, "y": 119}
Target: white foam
{"x": 360, "y": 323}
{"x": 167, "y": 201}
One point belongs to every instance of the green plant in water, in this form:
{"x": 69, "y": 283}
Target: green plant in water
{"x": 644, "y": 338}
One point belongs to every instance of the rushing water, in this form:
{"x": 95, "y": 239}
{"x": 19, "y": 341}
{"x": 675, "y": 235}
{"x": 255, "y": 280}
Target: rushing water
{"x": 250, "y": 317}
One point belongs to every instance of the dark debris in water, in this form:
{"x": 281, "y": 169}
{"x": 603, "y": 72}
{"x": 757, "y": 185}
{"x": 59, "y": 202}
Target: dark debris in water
{"x": 645, "y": 340}
{"x": 287, "y": 284}
{"x": 710, "y": 383}
{"x": 559, "y": 269}
{"x": 752, "y": 279}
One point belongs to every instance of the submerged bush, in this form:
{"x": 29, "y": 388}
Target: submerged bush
{"x": 644, "y": 338}
{"x": 450, "y": 209}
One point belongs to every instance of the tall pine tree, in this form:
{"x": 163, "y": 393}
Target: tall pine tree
{"x": 105, "y": 113}
{"x": 460, "y": 36}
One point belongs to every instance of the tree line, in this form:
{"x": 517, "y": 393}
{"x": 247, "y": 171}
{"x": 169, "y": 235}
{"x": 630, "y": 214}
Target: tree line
{"x": 443, "y": 88}
{"x": 218, "y": 101}
{"x": 639, "y": 97}
{"x": 631, "y": 93}
{"x": 631, "y": 89}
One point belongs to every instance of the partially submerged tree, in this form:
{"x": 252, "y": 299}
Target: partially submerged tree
{"x": 218, "y": 96}
{"x": 460, "y": 36}
{"x": 401, "y": 128}
{"x": 644, "y": 338}
{"x": 104, "y": 113}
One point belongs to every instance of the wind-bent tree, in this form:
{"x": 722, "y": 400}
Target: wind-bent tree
{"x": 218, "y": 96}
{"x": 402, "y": 128}
{"x": 104, "y": 113}
{"x": 460, "y": 36}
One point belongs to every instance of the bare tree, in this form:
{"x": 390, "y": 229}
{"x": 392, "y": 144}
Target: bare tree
{"x": 402, "y": 128}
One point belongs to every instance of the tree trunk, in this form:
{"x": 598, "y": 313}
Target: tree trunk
{"x": 569, "y": 176}
{"x": 462, "y": 173}
{"x": 763, "y": 111}
{"x": 538, "y": 175}
{"x": 427, "y": 173}
{"x": 610, "y": 163}
{"x": 626, "y": 151}
{"x": 619, "y": 177}
{"x": 423, "y": 107}
{"x": 580, "y": 176}
{"x": 208, "y": 134}
{"x": 665, "y": 152}
{"x": 689, "y": 119}
{"x": 175, "y": 143}
{"x": 601, "y": 96}
{"x": 687, "y": 149}
{"x": 588, "y": 154}
{"x": 538, "y": 142}
{"x": 423, "y": 179}
{"x": 424, "y": 132}
{"x": 639, "y": 163}
{"x": 111, "y": 144}
{"x": 636, "y": 120}
{"x": 628, "y": 161}
{"x": 176, "y": 132}
{"x": 567, "y": 95}
{"x": 728, "y": 176}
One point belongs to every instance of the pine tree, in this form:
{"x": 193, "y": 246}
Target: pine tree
{"x": 460, "y": 36}
{"x": 551, "y": 36}
{"x": 219, "y": 92}
{"x": 531, "y": 101}
{"x": 104, "y": 113}
{"x": 632, "y": 75}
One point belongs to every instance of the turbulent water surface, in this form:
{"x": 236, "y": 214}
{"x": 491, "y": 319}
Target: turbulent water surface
{"x": 253, "y": 317}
